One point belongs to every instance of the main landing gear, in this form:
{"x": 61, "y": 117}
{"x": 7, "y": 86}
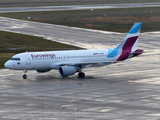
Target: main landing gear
{"x": 25, "y": 75}
{"x": 81, "y": 74}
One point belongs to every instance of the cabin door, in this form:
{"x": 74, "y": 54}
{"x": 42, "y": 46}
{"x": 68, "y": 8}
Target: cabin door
{"x": 28, "y": 59}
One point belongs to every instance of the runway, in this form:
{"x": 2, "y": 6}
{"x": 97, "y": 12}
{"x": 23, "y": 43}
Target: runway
{"x": 77, "y": 7}
{"x": 123, "y": 91}
{"x": 85, "y": 38}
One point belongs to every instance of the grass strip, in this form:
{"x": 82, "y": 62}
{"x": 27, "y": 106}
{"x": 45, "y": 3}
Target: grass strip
{"x": 13, "y": 43}
{"x": 117, "y": 20}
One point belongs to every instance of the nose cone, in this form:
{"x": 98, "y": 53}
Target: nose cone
{"x": 7, "y": 65}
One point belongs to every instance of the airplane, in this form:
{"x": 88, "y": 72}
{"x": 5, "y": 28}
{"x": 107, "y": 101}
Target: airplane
{"x": 73, "y": 61}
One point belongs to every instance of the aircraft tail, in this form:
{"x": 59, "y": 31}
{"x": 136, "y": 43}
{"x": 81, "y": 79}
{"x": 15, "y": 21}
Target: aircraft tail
{"x": 128, "y": 47}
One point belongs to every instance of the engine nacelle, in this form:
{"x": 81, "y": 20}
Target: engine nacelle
{"x": 42, "y": 71}
{"x": 67, "y": 70}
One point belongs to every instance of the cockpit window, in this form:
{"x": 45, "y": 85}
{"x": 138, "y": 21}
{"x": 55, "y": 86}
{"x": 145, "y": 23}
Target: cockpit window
{"x": 15, "y": 59}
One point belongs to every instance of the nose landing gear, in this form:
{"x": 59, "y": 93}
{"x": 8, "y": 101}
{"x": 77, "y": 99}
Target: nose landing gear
{"x": 25, "y": 75}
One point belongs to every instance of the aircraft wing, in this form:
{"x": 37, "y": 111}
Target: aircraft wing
{"x": 85, "y": 65}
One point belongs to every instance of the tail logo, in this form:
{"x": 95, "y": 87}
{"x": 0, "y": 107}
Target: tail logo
{"x": 128, "y": 45}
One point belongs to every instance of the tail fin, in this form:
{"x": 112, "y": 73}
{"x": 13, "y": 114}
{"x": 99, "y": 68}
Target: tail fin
{"x": 128, "y": 47}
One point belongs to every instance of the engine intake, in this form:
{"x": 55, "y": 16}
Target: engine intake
{"x": 67, "y": 70}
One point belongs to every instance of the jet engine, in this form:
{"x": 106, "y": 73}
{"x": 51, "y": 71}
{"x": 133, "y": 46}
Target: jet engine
{"x": 42, "y": 71}
{"x": 67, "y": 70}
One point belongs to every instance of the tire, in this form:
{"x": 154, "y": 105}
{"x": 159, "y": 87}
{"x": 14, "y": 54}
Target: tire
{"x": 24, "y": 76}
{"x": 81, "y": 75}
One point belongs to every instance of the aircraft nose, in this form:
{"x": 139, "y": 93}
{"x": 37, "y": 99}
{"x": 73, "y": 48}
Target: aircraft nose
{"x": 7, "y": 65}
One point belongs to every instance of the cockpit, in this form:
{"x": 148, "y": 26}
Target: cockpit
{"x": 15, "y": 59}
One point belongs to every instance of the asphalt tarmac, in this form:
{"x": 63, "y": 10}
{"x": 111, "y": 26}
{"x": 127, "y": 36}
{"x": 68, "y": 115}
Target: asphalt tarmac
{"x": 77, "y": 7}
{"x": 122, "y": 91}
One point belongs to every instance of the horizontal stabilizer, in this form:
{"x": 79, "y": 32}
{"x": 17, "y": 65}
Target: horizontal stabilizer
{"x": 136, "y": 53}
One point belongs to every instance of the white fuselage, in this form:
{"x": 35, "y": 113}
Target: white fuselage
{"x": 55, "y": 59}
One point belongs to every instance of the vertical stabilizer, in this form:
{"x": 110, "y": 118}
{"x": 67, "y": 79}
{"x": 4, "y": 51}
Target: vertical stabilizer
{"x": 130, "y": 42}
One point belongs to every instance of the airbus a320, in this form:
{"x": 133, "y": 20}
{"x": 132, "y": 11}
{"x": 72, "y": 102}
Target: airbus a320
{"x": 73, "y": 61}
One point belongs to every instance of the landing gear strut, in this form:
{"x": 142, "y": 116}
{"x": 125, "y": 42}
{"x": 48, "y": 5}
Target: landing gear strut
{"x": 25, "y": 76}
{"x": 81, "y": 74}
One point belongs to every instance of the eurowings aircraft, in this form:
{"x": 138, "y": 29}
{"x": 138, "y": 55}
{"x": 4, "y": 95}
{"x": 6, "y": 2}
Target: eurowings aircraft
{"x": 73, "y": 61}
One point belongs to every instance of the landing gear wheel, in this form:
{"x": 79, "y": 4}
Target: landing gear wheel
{"x": 81, "y": 75}
{"x": 24, "y": 76}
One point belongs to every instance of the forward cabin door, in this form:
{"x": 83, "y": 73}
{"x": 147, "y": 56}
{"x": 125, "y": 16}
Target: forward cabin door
{"x": 28, "y": 59}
